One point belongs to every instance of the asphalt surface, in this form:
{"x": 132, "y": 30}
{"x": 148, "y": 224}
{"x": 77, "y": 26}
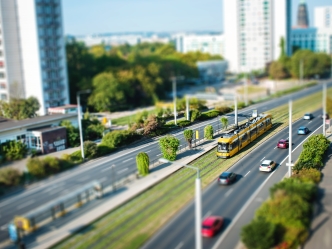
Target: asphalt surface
{"x": 101, "y": 170}
{"x": 227, "y": 201}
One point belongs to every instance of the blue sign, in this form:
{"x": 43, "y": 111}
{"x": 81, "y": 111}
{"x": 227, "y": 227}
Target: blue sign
{"x": 12, "y": 230}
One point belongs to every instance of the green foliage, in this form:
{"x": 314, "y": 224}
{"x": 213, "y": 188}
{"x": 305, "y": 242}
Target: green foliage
{"x": 208, "y": 132}
{"x": 76, "y": 156}
{"x": 329, "y": 106}
{"x": 194, "y": 115}
{"x": 142, "y": 162}
{"x": 90, "y": 149}
{"x": 117, "y": 138}
{"x": 103, "y": 150}
{"x": 308, "y": 175}
{"x": 278, "y": 71}
{"x": 73, "y": 136}
{"x": 10, "y": 176}
{"x": 223, "y": 109}
{"x": 169, "y": 145}
{"x": 152, "y": 123}
{"x": 183, "y": 123}
{"x": 92, "y": 128}
{"x": 209, "y": 114}
{"x": 312, "y": 153}
{"x": 224, "y": 122}
{"x": 19, "y": 109}
{"x": 14, "y": 150}
{"x": 293, "y": 186}
{"x": 259, "y": 234}
{"x": 241, "y": 105}
{"x": 188, "y": 135}
{"x": 36, "y": 167}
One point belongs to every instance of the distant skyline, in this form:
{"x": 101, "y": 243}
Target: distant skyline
{"x": 86, "y": 17}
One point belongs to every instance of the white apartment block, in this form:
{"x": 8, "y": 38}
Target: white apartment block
{"x": 212, "y": 44}
{"x": 253, "y": 30}
{"x": 323, "y": 17}
{"x": 32, "y": 52}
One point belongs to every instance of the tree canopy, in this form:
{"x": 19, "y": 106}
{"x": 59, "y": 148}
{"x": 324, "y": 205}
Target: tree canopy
{"x": 19, "y": 108}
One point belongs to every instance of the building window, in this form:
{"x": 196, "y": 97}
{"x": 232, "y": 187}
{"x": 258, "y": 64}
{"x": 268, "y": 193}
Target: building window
{"x": 2, "y": 85}
{"x": 1, "y": 64}
{"x": 3, "y": 96}
{"x": 2, "y": 75}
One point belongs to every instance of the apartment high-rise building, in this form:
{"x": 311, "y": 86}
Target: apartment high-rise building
{"x": 253, "y": 30}
{"x": 32, "y": 52}
{"x": 302, "y": 15}
{"x": 323, "y": 17}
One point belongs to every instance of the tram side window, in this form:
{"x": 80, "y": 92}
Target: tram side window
{"x": 223, "y": 146}
{"x": 253, "y": 131}
{"x": 234, "y": 144}
{"x": 244, "y": 137}
{"x": 261, "y": 126}
{"x": 268, "y": 121}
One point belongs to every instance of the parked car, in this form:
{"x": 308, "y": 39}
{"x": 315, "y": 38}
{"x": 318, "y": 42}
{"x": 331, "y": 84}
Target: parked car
{"x": 283, "y": 144}
{"x": 308, "y": 116}
{"x": 303, "y": 130}
{"x": 267, "y": 166}
{"x": 212, "y": 225}
{"x": 226, "y": 178}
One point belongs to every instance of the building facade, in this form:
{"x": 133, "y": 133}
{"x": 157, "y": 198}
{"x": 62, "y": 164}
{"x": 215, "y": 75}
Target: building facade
{"x": 323, "y": 17}
{"x": 302, "y": 15}
{"x": 32, "y": 52}
{"x": 253, "y": 30}
{"x": 212, "y": 44}
{"x": 212, "y": 71}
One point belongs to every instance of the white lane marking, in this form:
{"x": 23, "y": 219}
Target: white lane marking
{"x": 275, "y": 147}
{"x": 243, "y": 209}
{"x": 103, "y": 170}
{"x": 25, "y": 204}
{"x": 262, "y": 159}
{"x": 207, "y": 214}
{"x": 127, "y": 160}
{"x": 159, "y": 155}
{"x": 3, "y": 228}
{"x": 228, "y": 192}
{"x": 103, "y": 179}
{"x": 179, "y": 245}
{"x": 309, "y": 122}
{"x": 123, "y": 170}
{"x": 247, "y": 173}
{"x": 148, "y": 151}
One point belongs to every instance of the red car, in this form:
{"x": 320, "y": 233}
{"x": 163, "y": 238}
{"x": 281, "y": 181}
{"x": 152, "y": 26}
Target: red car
{"x": 283, "y": 144}
{"x": 211, "y": 225}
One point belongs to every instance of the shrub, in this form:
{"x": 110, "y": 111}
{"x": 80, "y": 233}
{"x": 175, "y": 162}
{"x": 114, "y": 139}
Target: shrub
{"x": 103, "y": 150}
{"x": 184, "y": 123}
{"x": 51, "y": 165}
{"x": 10, "y": 177}
{"x": 223, "y": 109}
{"x": 142, "y": 162}
{"x": 241, "y": 105}
{"x": 115, "y": 139}
{"x": 188, "y": 135}
{"x": 90, "y": 149}
{"x": 14, "y": 150}
{"x": 73, "y": 136}
{"x": 208, "y": 132}
{"x": 76, "y": 156}
{"x": 36, "y": 167}
{"x": 194, "y": 115}
{"x": 259, "y": 234}
{"x": 308, "y": 175}
{"x": 169, "y": 145}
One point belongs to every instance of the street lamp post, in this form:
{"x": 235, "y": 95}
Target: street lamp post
{"x": 290, "y": 140}
{"x": 198, "y": 210}
{"x": 80, "y": 118}
{"x": 324, "y": 108}
{"x": 246, "y": 91}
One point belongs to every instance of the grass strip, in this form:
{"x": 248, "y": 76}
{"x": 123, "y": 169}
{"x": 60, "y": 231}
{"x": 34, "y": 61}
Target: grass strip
{"x": 133, "y": 223}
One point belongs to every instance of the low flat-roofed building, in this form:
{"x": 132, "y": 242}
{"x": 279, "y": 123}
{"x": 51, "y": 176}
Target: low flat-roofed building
{"x": 63, "y": 109}
{"x": 41, "y": 133}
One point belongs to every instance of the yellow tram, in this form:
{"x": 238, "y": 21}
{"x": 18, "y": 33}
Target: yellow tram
{"x": 234, "y": 140}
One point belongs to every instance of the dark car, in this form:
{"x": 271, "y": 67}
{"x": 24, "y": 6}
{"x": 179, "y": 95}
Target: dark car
{"x": 303, "y": 130}
{"x": 226, "y": 178}
{"x": 283, "y": 144}
{"x": 211, "y": 225}
{"x": 326, "y": 116}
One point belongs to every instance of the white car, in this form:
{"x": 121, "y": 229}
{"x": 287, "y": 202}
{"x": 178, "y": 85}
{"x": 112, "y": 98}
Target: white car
{"x": 308, "y": 116}
{"x": 267, "y": 166}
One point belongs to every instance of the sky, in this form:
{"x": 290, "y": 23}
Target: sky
{"x": 86, "y": 17}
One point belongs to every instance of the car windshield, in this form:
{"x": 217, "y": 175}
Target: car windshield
{"x": 223, "y": 177}
{"x": 281, "y": 142}
{"x": 223, "y": 147}
{"x": 265, "y": 165}
{"x": 206, "y": 227}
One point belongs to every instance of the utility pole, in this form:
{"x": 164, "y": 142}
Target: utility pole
{"x": 235, "y": 111}
{"x": 289, "y": 164}
{"x": 246, "y": 91}
{"x": 174, "y": 78}
{"x": 80, "y": 119}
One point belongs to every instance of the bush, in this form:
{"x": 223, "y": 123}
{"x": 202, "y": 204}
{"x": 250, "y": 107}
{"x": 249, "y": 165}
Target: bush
{"x": 90, "y": 149}
{"x": 184, "y": 123}
{"x": 142, "y": 162}
{"x": 223, "y": 109}
{"x": 169, "y": 145}
{"x": 103, "y": 150}
{"x": 194, "y": 115}
{"x": 259, "y": 234}
{"x": 36, "y": 167}
{"x": 117, "y": 138}
{"x": 208, "y": 132}
{"x": 14, "y": 150}
{"x": 76, "y": 156}
{"x": 209, "y": 114}
{"x": 308, "y": 175}
{"x": 10, "y": 177}
{"x": 51, "y": 165}
{"x": 241, "y": 105}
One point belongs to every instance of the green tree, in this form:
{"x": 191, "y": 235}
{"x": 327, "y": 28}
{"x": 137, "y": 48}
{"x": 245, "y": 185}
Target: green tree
{"x": 73, "y": 136}
{"x": 90, "y": 149}
{"x": 188, "y": 135}
{"x": 10, "y": 176}
{"x": 224, "y": 122}
{"x": 142, "y": 162}
{"x": 14, "y": 150}
{"x": 208, "y": 132}
{"x": 19, "y": 108}
{"x": 152, "y": 124}
{"x": 169, "y": 145}
{"x": 277, "y": 71}
{"x": 259, "y": 234}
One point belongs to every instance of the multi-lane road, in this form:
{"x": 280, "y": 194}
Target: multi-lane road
{"x": 100, "y": 169}
{"x": 227, "y": 201}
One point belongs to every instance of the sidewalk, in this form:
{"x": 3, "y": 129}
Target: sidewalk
{"x": 321, "y": 226}
{"x": 51, "y": 238}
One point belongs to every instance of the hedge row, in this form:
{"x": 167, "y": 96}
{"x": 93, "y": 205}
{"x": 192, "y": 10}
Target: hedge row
{"x": 284, "y": 219}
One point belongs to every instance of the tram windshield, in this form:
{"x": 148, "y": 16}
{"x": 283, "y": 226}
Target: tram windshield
{"x": 223, "y": 147}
